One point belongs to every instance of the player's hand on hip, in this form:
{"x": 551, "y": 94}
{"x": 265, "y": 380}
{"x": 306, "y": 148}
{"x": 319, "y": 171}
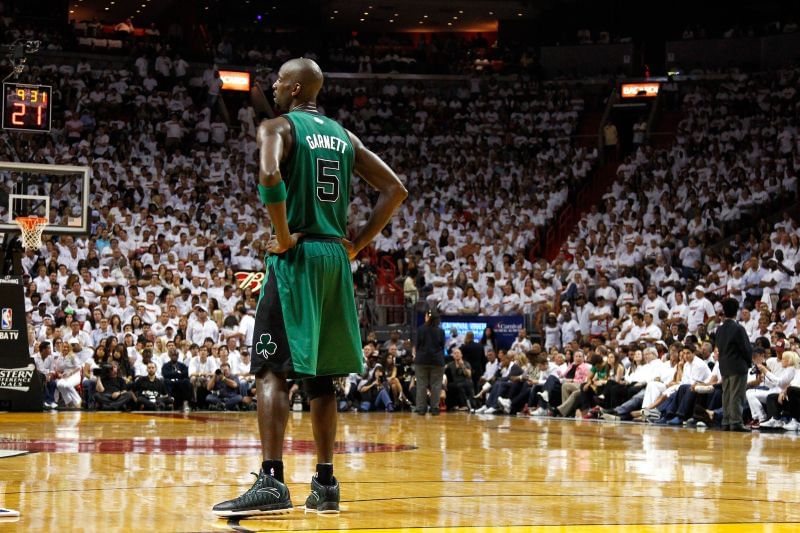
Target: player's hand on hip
{"x": 351, "y": 249}
{"x": 274, "y": 247}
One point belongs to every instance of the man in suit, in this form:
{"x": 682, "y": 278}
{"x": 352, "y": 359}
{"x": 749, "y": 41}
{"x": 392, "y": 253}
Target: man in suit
{"x": 735, "y": 358}
{"x": 176, "y": 378}
{"x": 474, "y": 355}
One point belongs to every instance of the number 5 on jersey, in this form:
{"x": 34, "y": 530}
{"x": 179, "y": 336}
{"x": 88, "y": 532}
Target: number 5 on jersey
{"x": 327, "y": 180}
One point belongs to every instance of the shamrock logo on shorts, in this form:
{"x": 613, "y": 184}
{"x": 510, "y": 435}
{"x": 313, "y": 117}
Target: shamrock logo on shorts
{"x": 265, "y": 345}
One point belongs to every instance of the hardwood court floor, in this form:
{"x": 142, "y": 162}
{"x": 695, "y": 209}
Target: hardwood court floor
{"x": 457, "y": 472}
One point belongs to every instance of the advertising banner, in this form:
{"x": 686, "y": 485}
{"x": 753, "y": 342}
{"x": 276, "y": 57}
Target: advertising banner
{"x": 20, "y": 384}
{"x": 505, "y": 328}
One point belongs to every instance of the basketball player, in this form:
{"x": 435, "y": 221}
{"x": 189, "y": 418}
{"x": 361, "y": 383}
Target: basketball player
{"x": 306, "y": 322}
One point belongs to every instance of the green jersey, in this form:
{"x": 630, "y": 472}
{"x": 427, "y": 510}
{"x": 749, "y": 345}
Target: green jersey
{"x": 317, "y": 175}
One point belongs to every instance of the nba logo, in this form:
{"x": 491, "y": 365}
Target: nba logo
{"x": 6, "y": 320}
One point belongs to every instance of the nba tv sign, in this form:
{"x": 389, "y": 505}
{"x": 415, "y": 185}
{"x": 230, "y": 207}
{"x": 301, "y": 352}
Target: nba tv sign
{"x": 6, "y": 324}
{"x": 20, "y": 383}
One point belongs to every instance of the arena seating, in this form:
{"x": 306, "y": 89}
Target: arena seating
{"x": 490, "y": 163}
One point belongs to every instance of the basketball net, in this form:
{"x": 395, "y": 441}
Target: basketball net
{"x": 31, "y": 228}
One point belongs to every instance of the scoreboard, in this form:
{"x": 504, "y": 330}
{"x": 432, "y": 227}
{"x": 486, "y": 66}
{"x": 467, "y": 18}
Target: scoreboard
{"x": 27, "y": 107}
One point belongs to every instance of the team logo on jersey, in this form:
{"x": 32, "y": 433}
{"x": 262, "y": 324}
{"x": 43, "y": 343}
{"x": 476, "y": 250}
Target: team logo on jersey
{"x": 251, "y": 280}
{"x": 265, "y": 346}
{"x": 319, "y": 120}
{"x": 6, "y": 321}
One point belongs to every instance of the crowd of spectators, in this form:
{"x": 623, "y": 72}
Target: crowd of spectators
{"x": 773, "y": 27}
{"x": 173, "y": 218}
{"x": 470, "y": 209}
{"x": 647, "y": 372}
{"x": 441, "y": 53}
{"x": 734, "y": 159}
{"x": 641, "y": 279}
{"x": 259, "y": 45}
{"x": 647, "y": 358}
{"x": 12, "y": 30}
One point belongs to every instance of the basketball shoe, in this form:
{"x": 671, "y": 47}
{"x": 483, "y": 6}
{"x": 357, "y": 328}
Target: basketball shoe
{"x": 324, "y": 499}
{"x": 266, "y": 496}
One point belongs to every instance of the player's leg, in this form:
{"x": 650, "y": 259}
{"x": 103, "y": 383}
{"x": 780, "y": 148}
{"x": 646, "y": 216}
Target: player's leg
{"x": 324, "y": 497}
{"x": 423, "y": 374}
{"x": 272, "y": 392}
{"x": 437, "y": 378}
{"x": 271, "y": 362}
{"x": 269, "y": 494}
{"x": 339, "y": 353}
{"x": 323, "y": 418}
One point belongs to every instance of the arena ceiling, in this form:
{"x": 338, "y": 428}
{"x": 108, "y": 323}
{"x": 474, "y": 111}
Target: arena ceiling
{"x": 118, "y": 10}
{"x": 355, "y": 15}
{"x": 427, "y": 15}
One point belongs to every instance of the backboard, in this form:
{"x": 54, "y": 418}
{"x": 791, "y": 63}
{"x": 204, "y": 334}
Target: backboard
{"x": 58, "y": 193}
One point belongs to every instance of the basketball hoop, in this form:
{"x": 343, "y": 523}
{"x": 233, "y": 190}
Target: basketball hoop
{"x": 31, "y": 228}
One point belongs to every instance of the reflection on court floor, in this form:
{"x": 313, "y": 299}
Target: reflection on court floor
{"x": 456, "y": 472}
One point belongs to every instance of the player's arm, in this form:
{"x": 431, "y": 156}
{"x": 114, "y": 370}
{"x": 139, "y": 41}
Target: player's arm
{"x": 374, "y": 171}
{"x": 274, "y": 140}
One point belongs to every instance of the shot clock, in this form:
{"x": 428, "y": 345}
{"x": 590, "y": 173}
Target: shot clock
{"x": 26, "y": 107}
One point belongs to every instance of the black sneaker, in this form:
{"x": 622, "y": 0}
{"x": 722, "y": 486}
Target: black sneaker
{"x": 324, "y": 499}
{"x": 266, "y": 496}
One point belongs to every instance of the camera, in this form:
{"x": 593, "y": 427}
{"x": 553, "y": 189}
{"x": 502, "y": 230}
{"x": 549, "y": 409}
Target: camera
{"x": 102, "y": 371}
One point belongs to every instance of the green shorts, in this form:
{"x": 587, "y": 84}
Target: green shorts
{"x": 306, "y": 321}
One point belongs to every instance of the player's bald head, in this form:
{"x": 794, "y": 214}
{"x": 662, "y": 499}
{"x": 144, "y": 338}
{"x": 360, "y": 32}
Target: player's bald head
{"x": 306, "y": 73}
